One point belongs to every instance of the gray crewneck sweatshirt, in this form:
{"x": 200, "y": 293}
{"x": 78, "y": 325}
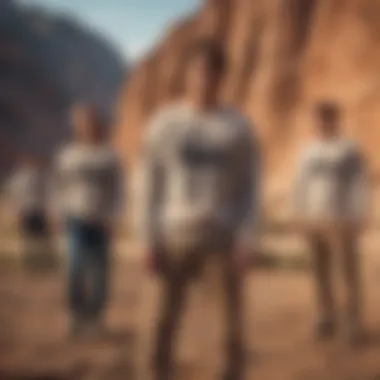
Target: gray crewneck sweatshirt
{"x": 199, "y": 177}
{"x": 88, "y": 183}
{"x": 26, "y": 190}
{"x": 332, "y": 183}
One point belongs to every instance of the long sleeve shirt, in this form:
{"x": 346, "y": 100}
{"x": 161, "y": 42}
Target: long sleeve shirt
{"x": 87, "y": 183}
{"x": 199, "y": 176}
{"x": 26, "y": 190}
{"x": 332, "y": 183}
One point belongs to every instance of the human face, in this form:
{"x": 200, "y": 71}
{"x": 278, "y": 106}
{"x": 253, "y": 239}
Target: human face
{"x": 327, "y": 128}
{"x": 201, "y": 81}
{"x": 86, "y": 126}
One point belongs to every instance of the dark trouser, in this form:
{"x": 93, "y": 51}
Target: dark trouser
{"x": 34, "y": 223}
{"x": 88, "y": 268}
{"x": 176, "y": 280}
{"x": 38, "y": 251}
{"x": 323, "y": 252}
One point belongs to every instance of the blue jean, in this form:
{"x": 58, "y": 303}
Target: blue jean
{"x": 88, "y": 268}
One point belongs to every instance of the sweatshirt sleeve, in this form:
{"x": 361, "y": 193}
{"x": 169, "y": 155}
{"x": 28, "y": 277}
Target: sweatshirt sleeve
{"x": 300, "y": 183}
{"x": 359, "y": 187}
{"x": 10, "y": 185}
{"x": 249, "y": 186}
{"x": 55, "y": 187}
{"x": 118, "y": 189}
{"x": 11, "y": 191}
{"x": 151, "y": 181}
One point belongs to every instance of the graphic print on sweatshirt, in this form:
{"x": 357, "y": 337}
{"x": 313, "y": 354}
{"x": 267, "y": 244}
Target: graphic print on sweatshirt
{"x": 341, "y": 168}
{"x": 204, "y": 159}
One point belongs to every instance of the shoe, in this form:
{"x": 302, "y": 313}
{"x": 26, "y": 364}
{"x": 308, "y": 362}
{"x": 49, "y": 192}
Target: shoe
{"x": 325, "y": 329}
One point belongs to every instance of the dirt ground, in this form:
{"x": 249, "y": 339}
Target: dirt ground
{"x": 279, "y": 330}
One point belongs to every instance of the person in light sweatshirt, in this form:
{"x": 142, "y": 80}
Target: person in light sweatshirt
{"x": 331, "y": 199}
{"x": 87, "y": 195}
{"x": 26, "y": 191}
{"x": 200, "y": 168}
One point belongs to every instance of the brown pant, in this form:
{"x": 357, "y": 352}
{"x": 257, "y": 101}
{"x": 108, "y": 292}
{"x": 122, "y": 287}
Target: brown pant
{"x": 176, "y": 280}
{"x": 323, "y": 254}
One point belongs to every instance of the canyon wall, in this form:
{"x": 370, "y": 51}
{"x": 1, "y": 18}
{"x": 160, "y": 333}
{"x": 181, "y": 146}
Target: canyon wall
{"x": 48, "y": 62}
{"x": 284, "y": 55}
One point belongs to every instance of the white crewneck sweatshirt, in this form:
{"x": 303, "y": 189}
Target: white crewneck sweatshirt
{"x": 200, "y": 176}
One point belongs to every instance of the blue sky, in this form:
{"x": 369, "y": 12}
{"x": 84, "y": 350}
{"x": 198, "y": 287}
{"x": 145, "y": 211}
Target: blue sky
{"x": 132, "y": 25}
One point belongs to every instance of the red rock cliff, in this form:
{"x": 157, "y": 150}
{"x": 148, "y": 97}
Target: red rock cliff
{"x": 284, "y": 55}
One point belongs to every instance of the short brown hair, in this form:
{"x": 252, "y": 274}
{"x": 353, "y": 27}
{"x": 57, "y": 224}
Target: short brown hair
{"x": 89, "y": 110}
{"x": 93, "y": 115}
{"x": 31, "y": 159}
{"x": 212, "y": 51}
{"x": 328, "y": 111}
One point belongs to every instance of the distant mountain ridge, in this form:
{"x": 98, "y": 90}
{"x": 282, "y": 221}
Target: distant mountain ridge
{"x": 48, "y": 62}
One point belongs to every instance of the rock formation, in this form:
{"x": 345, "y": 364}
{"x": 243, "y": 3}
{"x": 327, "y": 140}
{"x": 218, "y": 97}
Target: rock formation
{"x": 284, "y": 55}
{"x": 47, "y": 62}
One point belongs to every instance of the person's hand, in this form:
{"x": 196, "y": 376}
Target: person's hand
{"x": 355, "y": 226}
{"x": 300, "y": 225}
{"x": 151, "y": 262}
{"x": 245, "y": 254}
{"x": 156, "y": 262}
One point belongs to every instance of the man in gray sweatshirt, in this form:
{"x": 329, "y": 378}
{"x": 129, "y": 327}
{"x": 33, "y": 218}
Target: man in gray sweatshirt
{"x": 330, "y": 197}
{"x": 200, "y": 184}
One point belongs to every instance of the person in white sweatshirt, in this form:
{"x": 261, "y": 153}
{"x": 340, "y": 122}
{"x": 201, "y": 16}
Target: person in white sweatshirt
{"x": 88, "y": 191}
{"x": 331, "y": 200}
{"x": 26, "y": 191}
{"x": 200, "y": 169}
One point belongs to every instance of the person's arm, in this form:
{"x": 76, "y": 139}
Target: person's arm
{"x": 54, "y": 189}
{"x": 300, "y": 187}
{"x": 9, "y": 185}
{"x": 249, "y": 198}
{"x": 359, "y": 188}
{"x": 151, "y": 184}
{"x": 118, "y": 189}
{"x": 10, "y": 192}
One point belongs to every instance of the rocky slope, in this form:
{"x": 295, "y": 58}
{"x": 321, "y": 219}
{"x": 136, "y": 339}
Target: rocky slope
{"x": 47, "y": 62}
{"x": 284, "y": 56}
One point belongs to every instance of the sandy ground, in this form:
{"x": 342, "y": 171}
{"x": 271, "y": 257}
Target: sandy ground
{"x": 279, "y": 330}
